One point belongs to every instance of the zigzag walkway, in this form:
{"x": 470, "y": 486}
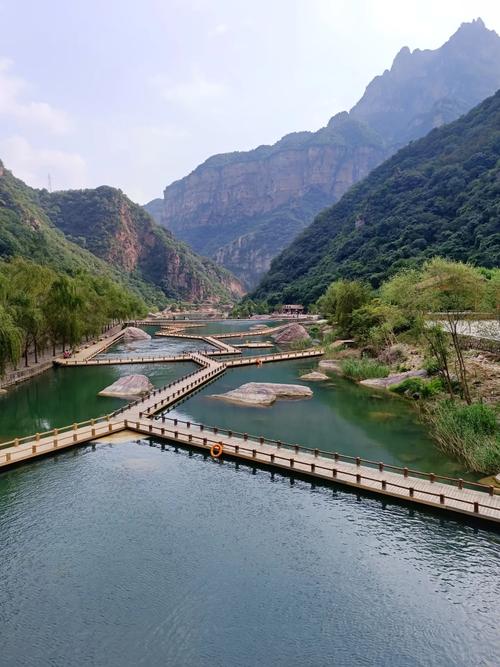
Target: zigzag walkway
{"x": 22, "y": 449}
{"x": 411, "y": 486}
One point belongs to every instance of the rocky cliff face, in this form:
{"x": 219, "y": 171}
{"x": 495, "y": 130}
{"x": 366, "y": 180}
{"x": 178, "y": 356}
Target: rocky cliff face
{"x": 115, "y": 229}
{"x": 426, "y": 89}
{"x": 243, "y": 208}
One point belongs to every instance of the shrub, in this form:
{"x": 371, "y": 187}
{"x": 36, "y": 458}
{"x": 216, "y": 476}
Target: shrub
{"x": 418, "y": 388}
{"x": 362, "y": 369}
{"x": 469, "y": 432}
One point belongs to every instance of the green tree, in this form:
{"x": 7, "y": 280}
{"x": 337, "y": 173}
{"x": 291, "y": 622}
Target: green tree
{"x": 340, "y": 300}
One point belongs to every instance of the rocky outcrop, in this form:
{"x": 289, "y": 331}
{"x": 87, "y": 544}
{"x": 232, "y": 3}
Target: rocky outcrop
{"x": 243, "y": 208}
{"x": 291, "y": 333}
{"x": 129, "y": 386}
{"x": 264, "y": 393}
{"x": 314, "y": 376}
{"x": 330, "y": 365}
{"x": 134, "y": 333}
{"x": 384, "y": 383}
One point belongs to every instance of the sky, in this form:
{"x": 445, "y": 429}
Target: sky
{"x": 135, "y": 94}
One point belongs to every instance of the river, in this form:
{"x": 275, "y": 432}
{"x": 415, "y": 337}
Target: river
{"x": 129, "y": 555}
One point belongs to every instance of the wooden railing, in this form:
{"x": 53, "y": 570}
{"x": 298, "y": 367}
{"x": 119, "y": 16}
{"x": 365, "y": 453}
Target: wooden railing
{"x": 316, "y": 467}
{"x": 55, "y": 432}
{"x": 299, "y": 354}
{"x": 336, "y": 457}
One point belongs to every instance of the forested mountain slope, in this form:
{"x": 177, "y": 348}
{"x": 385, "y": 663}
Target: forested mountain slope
{"x": 111, "y": 236}
{"x": 26, "y": 231}
{"x": 105, "y": 221}
{"x": 243, "y": 208}
{"x": 438, "y": 196}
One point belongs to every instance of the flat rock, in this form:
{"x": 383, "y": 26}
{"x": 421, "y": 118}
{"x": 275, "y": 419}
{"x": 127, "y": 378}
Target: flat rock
{"x": 291, "y": 334}
{"x": 317, "y": 376}
{"x": 383, "y": 383}
{"x": 264, "y": 393}
{"x": 134, "y": 333}
{"x": 128, "y": 386}
{"x": 330, "y": 365}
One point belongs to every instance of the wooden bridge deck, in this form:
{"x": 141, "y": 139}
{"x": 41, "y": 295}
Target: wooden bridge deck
{"x": 450, "y": 494}
{"x": 412, "y": 486}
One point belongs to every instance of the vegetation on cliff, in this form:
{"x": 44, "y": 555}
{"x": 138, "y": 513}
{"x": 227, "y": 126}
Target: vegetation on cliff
{"x": 243, "y": 208}
{"x": 27, "y": 231}
{"x": 437, "y": 196}
{"x": 102, "y": 232}
{"x": 106, "y": 222}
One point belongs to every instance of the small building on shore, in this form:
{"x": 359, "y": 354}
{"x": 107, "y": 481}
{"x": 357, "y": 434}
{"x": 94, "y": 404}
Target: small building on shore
{"x": 292, "y": 309}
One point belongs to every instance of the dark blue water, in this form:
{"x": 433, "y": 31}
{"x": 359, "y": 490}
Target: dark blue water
{"x": 132, "y": 556}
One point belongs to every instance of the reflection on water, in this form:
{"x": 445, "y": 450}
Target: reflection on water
{"x": 133, "y": 556}
{"x": 340, "y": 416}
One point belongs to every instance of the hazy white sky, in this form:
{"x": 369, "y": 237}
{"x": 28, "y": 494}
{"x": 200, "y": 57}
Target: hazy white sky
{"x": 136, "y": 93}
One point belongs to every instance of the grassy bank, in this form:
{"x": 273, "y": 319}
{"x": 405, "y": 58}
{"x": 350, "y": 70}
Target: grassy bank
{"x": 469, "y": 432}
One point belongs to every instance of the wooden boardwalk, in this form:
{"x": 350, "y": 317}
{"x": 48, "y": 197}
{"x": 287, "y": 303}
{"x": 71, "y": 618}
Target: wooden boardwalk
{"x": 414, "y": 487}
{"x": 277, "y": 356}
{"x": 452, "y": 495}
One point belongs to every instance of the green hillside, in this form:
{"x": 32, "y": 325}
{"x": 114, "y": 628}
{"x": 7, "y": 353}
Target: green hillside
{"x": 106, "y": 222}
{"x": 438, "y": 196}
{"x": 27, "y": 231}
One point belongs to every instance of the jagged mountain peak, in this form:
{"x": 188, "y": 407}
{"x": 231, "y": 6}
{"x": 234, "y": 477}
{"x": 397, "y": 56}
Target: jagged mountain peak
{"x": 243, "y": 208}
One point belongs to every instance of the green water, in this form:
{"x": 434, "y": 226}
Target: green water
{"x": 133, "y": 554}
{"x": 63, "y": 396}
{"x": 340, "y": 416}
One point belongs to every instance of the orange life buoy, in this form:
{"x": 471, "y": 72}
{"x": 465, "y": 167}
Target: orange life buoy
{"x": 259, "y": 362}
{"x": 216, "y": 450}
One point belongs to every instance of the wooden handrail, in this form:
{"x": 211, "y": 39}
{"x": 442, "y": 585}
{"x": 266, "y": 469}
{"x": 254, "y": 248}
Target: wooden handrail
{"x": 432, "y": 477}
{"x": 206, "y": 441}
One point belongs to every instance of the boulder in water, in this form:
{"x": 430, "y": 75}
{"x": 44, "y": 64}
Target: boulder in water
{"x": 315, "y": 376}
{"x": 330, "y": 365}
{"x": 264, "y": 393}
{"x": 291, "y": 333}
{"x": 128, "y": 386}
{"x": 134, "y": 333}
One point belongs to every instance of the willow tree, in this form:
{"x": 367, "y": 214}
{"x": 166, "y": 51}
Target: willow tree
{"x": 10, "y": 340}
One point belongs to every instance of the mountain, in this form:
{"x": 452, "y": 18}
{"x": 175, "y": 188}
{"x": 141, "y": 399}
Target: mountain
{"x": 112, "y": 227}
{"x": 29, "y": 222}
{"x": 243, "y": 208}
{"x": 438, "y": 196}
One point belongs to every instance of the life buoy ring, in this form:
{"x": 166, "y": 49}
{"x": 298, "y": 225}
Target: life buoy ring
{"x": 259, "y": 362}
{"x": 216, "y": 450}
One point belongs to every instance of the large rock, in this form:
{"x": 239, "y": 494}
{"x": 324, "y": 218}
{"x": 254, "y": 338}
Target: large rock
{"x": 383, "y": 383}
{"x": 330, "y": 365}
{"x": 133, "y": 333}
{"x": 128, "y": 386}
{"x": 264, "y": 393}
{"x": 291, "y": 334}
{"x": 315, "y": 376}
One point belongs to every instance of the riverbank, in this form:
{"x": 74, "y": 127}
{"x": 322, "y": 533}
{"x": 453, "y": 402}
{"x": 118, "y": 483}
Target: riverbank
{"x": 469, "y": 433}
{"x": 14, "y": 376}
